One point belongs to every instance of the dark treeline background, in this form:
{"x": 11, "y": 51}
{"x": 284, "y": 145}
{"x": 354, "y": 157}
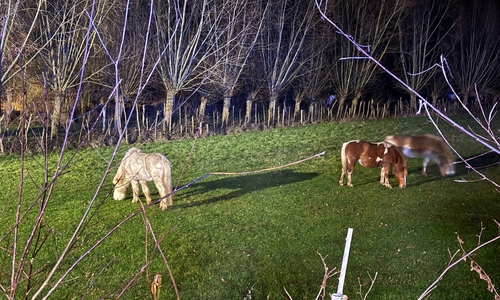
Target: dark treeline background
{"x": 160, "y": 69}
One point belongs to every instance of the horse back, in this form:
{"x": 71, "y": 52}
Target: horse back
{"x": 367, "y": 154}
{"x": 156, "y": 163}
{"x": 426, "y": 145}
{"x": 357, "y": 148}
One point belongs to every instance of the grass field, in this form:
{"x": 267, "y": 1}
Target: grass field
{"x": 264, "y": 230}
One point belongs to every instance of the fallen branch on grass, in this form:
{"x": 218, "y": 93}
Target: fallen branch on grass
{"x": 244, "y": 173}
{"x": 268, "y": 169}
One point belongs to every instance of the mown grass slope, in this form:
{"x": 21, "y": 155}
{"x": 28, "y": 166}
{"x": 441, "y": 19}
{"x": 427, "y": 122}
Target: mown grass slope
{"x": 264, "y": 230}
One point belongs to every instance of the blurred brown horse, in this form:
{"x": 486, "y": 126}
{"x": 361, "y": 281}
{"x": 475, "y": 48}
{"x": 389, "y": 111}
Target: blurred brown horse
{"x": 427, "y": 146}
{"x": 371, "y": 156}
{"x": 137, "y": 168}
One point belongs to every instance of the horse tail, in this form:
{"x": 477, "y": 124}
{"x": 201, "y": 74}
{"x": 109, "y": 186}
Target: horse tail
{"x": 167, "y": 182}
{"x": 343, "y": 157}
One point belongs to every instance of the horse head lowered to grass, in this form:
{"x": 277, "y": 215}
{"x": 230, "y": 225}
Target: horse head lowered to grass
{"x": 427, "y": 146}
{"x": 371, "y": 155}
{"x": 137, "y": 168}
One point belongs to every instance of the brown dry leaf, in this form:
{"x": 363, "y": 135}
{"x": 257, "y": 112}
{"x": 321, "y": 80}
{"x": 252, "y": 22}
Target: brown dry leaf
{"x": 483, "y": 276}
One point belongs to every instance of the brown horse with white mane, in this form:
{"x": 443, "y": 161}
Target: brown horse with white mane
{"x": 137, "y": 168}
{"x": 427, "y": 146}
{"x": 371, "y": 156}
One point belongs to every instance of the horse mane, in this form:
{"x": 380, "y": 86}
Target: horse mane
{"x": 132, "y": 150}
{"x": 120, "y": 171}
{"x": 401, "y": 158}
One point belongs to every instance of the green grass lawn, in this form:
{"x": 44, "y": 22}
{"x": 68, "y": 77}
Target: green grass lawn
{"x": 264, "y": 230}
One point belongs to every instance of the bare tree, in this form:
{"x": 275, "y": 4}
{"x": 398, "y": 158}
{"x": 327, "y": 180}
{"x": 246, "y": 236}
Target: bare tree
{"x": 254, "y": 84}
{"x": 475, "y": 59}
{"x": 63, "y": 39}
{"x": 183, "y": 34}
{"x": 239, "y": 23}
{"x": 17, "y": 24}
{"x": 131, "y": 61}
{"x": 314, "y": 81}
{"x": 287, "y": 26}
{"x": 372, "y": 25}
{"x": 425, "y": 28}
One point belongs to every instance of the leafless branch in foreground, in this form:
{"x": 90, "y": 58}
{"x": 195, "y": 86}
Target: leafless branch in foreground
{"x": 372, "y": 283}
{"x": 474, "y": 266}
{"x": 327, "y": 274}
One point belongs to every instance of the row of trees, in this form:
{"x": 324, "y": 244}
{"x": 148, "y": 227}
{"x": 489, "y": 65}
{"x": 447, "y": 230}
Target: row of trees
{"x": 66, "y": 59}
{"x": 71, "y": 56}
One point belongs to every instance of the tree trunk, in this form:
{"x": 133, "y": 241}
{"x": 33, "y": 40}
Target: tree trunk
{"x": 169, "y": 109}
{"x": 413, "y": 102}
{"x": 119, "y": 109}
{"x": 56, "y": 113}
{"x": 201, "y": 110}
{"x": 9, "y": 95}
{"x": 225, "y": 109}
{"x": 465, "y": 98}
{"x": 271, "y": 113}
{"x": 248, "y": 110}
{"x": 104, "y": 116}
{"x": 311, "y": 113}
{"x": 341, "y": 105}
{"x": 354, "y": 105}
{"x": 434, "y": 97}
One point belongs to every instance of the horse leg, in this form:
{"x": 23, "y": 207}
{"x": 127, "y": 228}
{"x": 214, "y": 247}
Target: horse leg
{"x": 349, "y": 183}
{"x": 135, "y": 191}
{"x": 166, "y": 201}
{"x": 145, "y": 190}
{"x": 346, "y": 171}
{"x": 341, "y": 181}
{"x": 384, "y": 176}
{"x": 424, "y": 165}
{"x": 163, "y": 205}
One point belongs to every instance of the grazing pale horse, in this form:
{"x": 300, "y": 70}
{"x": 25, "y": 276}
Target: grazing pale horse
{"x": 137, "y": 168}
{"x": 371, "y": 156}
{"x": 428, "y": 147}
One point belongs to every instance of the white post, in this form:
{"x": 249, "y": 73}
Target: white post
{"x": 340, "y": 288}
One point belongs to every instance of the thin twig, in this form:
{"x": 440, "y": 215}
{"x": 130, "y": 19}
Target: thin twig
{"x": 372, "y": 283}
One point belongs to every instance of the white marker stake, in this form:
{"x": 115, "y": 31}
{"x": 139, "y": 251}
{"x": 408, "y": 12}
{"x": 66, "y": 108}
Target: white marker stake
{"x": 340, "y": 288}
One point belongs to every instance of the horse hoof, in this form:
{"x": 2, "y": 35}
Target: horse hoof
{"x": 350, "y": 185}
